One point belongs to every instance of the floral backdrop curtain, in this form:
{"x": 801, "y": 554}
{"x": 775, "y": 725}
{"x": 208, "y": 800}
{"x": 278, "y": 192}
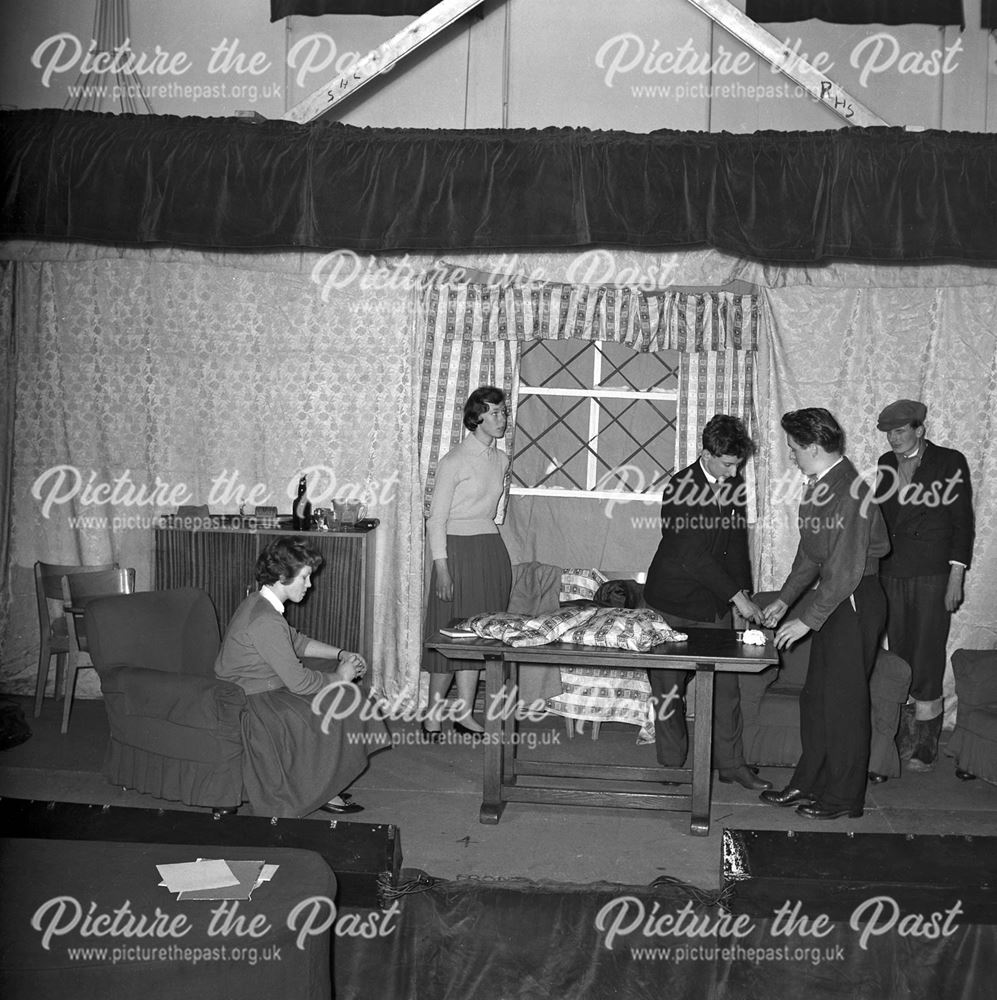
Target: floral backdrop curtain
{"x": 169, "y": 369}
{"x": 877, "y": 344}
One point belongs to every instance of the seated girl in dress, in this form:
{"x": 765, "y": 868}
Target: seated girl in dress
{"x": 296, "y": 761}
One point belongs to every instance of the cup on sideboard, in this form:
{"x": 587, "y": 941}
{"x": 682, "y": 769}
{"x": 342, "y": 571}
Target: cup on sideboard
{"x": 348, "y": 512}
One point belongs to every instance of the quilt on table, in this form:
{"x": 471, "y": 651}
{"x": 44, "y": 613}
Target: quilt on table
{"x": 634, "y": 629}
{"x": 526, "y": 630}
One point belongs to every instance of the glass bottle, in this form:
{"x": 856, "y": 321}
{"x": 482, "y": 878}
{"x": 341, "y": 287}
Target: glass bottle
{"x": 301, "y": 511}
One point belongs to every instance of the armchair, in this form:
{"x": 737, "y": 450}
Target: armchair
{"x": 974, "y": 740}
{"x": 771, "y": 711}
{"x": 176, "y": 730}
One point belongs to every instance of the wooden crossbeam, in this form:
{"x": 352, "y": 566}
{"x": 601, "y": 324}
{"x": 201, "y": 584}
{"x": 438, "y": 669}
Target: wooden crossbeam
{"x": 380, "y": 60}
{"x": 763, "y": 43}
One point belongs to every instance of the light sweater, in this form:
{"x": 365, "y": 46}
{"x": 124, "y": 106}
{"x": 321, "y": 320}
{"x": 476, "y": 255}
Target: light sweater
{"x": 261, "y": 652}
{"x": 469, "y": 483}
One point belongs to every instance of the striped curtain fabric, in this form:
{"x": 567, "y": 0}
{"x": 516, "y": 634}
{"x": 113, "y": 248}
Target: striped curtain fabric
{"x": 713, "y": 382}
{"x": 454, "y": 365}
{"x": 473, "y": 332}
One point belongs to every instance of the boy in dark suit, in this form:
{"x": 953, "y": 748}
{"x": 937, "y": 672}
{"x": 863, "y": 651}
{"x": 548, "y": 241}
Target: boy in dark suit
{"x": 700, "y": 570}
{"x": 925, "y": 495}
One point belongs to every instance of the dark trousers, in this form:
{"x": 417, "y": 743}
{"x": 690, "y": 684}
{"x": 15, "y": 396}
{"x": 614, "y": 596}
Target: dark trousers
{"x": 671, "y": 738}
{"x": 917, "y": 625}
{"x": 835, "y": 724}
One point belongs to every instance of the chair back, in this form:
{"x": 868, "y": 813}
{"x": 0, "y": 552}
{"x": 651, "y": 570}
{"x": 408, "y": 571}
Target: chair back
{"x": 79, "y": 589}
{"x": 48, "y": 587}
{"x": 175, "y": 631}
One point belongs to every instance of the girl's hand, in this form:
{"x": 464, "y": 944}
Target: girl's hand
{"x": 352, "y": 666}
{"x": 444, "y": 582}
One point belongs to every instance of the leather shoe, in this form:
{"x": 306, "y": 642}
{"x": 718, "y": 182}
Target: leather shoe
{"x": 877, "y": 779}
{"x": 787, "y": 797}
{"x": 964, "y": 775}
{"x": 463, "y": 730}
{"x": 430, "y": 735}
{"x": 344, "y": 809}
{"x": 817, "y": 811}
{"x": 743, "y": 776}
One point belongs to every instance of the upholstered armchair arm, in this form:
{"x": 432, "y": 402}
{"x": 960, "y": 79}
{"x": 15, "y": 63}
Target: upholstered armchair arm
{"x": 182, "y": 699}
{"x": 975, "y": 673}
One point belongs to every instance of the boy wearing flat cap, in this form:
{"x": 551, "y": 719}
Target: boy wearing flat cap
{"x": 925, "y": 495}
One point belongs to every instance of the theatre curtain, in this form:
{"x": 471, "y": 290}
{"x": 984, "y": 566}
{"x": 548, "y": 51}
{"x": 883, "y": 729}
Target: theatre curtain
{"x": 871, "y": 194}
{"x": 473, "y": 333}
{"x": 859, "y": 11}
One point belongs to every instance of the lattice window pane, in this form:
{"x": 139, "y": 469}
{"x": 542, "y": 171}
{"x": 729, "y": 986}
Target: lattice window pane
{"x": 638, "y": 436}
{"x": 551, "y": 442}
{"x": 559, "y": 364}
{"x": 593, "y": 418}
{"x": 623, "y": 368}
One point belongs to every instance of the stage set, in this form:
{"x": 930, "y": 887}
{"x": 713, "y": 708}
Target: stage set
{"x": 554, "y": 900}
{"x": 196, "y": 311}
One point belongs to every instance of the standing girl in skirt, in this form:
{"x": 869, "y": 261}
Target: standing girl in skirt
{"x": 471, "y": 569}
{"x": 295, "y": 760}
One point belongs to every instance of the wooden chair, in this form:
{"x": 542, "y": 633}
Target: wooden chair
{"x": 78, "y": 590}
{"x": 54, "y": 629}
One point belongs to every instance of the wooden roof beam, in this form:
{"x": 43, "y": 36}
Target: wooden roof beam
{"x": 380, "y": 60}
{"x": 763, "y": 43}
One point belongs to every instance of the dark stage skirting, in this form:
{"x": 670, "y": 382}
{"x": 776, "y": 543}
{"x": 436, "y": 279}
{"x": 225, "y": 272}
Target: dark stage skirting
{"x": 498, "y": 941}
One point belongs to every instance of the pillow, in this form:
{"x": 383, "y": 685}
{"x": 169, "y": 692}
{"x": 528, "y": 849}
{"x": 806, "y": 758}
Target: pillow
{"x": 579, "y": 584}
{"x": 637, "y": 630}
{"x": 522, "y": 630}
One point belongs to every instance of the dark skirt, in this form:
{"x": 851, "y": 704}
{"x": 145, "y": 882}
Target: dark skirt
{"x": 290, "y": 766}
{"x": 482, "y": 580}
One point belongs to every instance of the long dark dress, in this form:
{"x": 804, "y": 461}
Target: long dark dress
{"x": 296, "y": 758}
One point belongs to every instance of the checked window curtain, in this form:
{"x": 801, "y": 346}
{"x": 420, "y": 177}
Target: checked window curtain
{"x": 473, "y": 332}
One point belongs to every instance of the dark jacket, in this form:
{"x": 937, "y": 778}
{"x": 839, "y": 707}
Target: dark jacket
{"x": 934, "y": 523}
{"x": 702, "y": 559}
{"x": 842, "y": 538}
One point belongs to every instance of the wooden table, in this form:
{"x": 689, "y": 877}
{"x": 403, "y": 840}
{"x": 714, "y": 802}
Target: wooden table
{"x": 706, "y": 651}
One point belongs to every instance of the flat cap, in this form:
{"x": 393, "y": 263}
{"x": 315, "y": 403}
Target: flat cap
{"x": 903, "y": 411}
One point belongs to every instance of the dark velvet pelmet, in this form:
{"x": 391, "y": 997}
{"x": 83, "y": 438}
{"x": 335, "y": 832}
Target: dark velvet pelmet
{"x": 867, "y": 194}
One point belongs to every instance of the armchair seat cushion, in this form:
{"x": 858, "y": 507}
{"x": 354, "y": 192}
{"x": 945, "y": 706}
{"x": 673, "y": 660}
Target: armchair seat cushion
{"x": 176, "y": 730}
{"x": 974, "y": 740}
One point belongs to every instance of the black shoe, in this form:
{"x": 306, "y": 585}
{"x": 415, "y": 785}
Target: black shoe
{"x": 345, "y": 808}
{"x": 744, "y": 776}
{"x": 430, "y": 735}
{"x": 964, "y": 775}
{"x": 877, "y": 779}
{"x": 817, "y": 811}
{"x": 787, "y": 797}
{"x": 462, "y": 730}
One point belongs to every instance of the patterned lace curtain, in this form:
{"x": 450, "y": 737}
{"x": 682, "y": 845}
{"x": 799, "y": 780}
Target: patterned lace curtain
{"x": 878, "y": 344}
{"x": 205, "y": 372}
{"x": 473, "y": 332}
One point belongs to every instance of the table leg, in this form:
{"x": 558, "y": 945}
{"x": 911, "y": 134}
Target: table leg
{"x": 702, "y": 751}
{"x": 494, "y": 767}
{"x": 510, "y": 724}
